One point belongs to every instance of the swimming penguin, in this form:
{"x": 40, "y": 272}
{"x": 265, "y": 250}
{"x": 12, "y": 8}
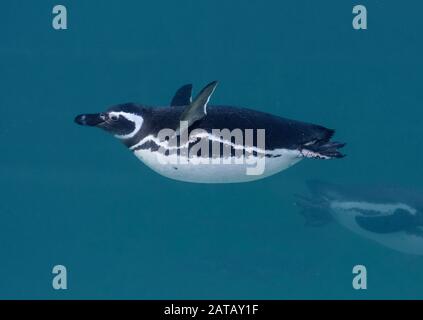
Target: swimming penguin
{"x": 393, "y": 217}
{"x": 194, "y": 142}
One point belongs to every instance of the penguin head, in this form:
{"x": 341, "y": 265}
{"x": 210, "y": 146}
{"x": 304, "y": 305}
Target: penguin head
{"x": 123, "y": 121}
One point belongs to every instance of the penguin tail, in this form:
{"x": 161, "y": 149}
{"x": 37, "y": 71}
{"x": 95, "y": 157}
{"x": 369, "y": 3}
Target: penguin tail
{"x": 323, "y": 150}
{"x": 314, "y": 210}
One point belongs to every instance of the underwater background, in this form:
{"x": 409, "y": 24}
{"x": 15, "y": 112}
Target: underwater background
{"x": 76, "y": 197}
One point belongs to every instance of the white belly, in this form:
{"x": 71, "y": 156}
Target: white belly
{"x": 399, "y": 241}
{"x": 192, "y": 171}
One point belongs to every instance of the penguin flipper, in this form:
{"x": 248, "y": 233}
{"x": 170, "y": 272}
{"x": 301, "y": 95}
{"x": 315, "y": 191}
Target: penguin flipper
{"x": 197, "y": 109}
{"x": 400, "y": 220}
{"x": 183, "y": 96}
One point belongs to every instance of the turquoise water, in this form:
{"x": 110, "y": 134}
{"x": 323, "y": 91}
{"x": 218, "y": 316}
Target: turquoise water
{"x": 76, "y": 197}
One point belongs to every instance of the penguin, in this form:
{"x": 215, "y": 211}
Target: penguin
{"x": 390, "y": 216}
{"x": 193, "y": 142}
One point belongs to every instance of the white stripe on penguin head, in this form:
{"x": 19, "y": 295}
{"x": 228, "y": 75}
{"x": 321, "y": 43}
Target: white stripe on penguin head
{"x": 136, "y": 119}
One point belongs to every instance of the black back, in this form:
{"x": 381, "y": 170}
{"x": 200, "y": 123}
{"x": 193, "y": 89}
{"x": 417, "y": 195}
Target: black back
{"x": 279, "y": 132}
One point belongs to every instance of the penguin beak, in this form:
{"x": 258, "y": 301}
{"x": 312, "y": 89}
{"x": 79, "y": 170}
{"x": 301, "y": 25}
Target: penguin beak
{"x": 91, "y": 120}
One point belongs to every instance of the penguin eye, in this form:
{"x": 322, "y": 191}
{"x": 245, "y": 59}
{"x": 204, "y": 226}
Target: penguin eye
{"x": 114, "y": 117}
